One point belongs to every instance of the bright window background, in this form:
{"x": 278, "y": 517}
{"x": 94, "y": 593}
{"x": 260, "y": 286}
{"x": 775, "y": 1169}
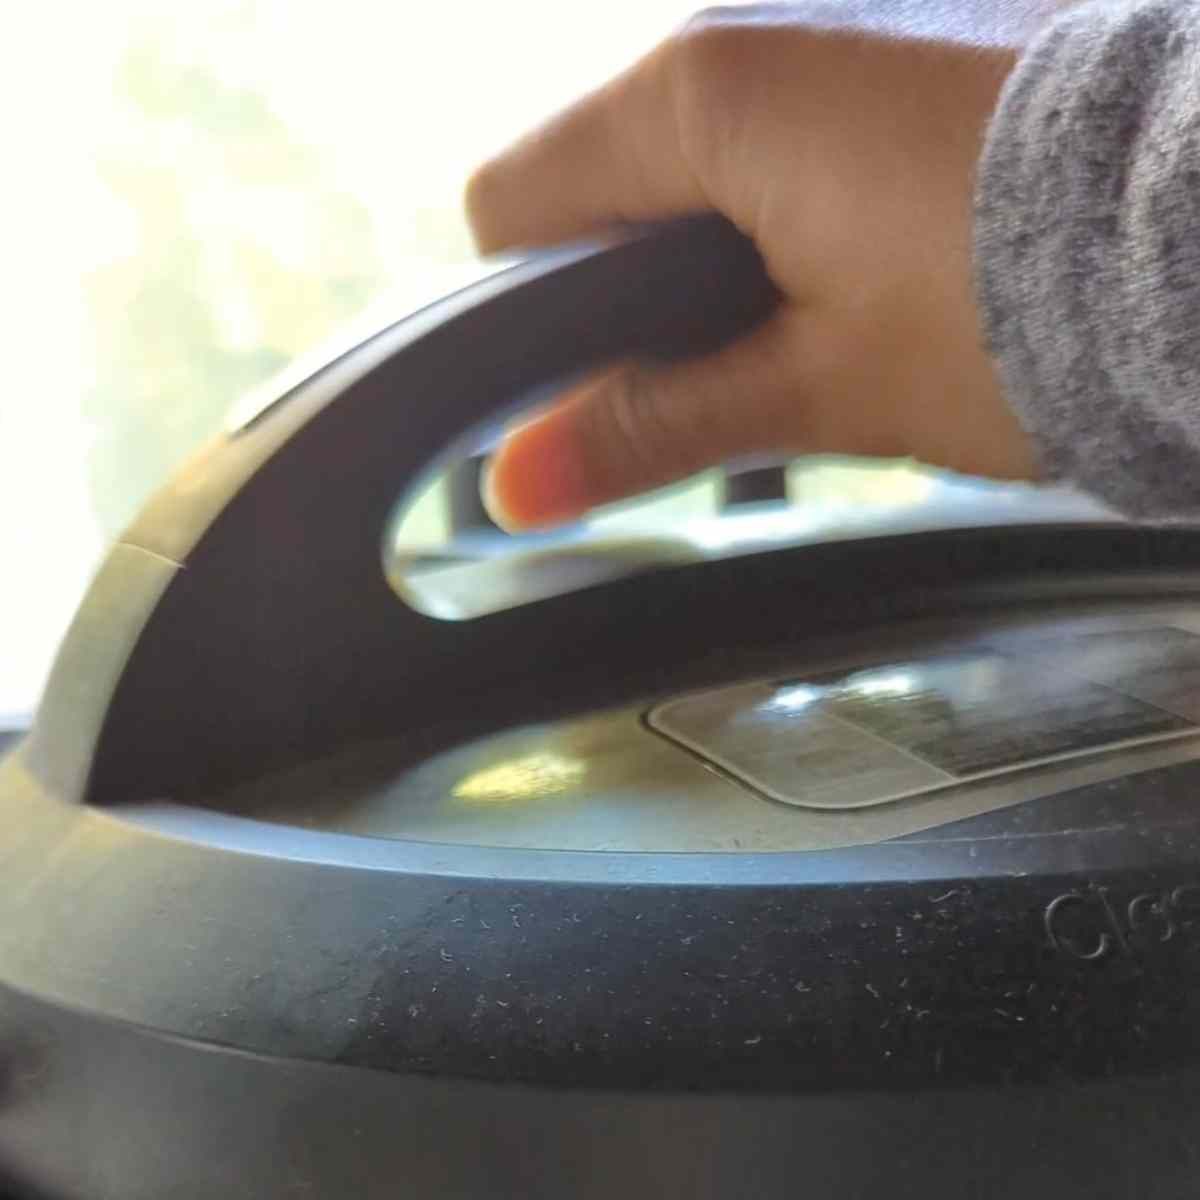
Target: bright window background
{"x": 197, "y": 193}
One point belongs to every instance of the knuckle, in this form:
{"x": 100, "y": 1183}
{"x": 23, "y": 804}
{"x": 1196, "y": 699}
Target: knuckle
{"x": 702, "y": 45}
{"x": 713, "y": 38}
{"x": 712, "y": 17}
{"x": 714, "y": 63}
{"x": 648, "y": 435}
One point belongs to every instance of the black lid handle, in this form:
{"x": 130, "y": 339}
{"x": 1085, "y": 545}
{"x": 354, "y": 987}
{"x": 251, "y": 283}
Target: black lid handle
{"x": 280, "y": 635}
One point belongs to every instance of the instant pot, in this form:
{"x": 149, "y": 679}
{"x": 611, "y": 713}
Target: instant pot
{"x": 858, "y": 869}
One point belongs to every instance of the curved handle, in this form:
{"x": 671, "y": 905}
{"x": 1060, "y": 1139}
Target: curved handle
{"x": 277, "y": 635}
{"x": 405, "y": 398}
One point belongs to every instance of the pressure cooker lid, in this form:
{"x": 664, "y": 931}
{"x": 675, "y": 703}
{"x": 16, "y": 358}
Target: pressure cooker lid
{"x": 883, "y": 733}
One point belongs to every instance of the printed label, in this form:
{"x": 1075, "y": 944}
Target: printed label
{"x": 884, "y": 733}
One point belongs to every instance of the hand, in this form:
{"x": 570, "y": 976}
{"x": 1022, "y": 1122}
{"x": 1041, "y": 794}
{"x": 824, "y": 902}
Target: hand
{"x": 848, "y": 154}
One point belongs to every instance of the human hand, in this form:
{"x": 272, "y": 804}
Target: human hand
{"x": 847, "y": 151}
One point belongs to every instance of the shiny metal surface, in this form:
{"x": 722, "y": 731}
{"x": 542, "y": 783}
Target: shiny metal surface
{"x": 605, "y": 781}
{"x": 520, "y": 570}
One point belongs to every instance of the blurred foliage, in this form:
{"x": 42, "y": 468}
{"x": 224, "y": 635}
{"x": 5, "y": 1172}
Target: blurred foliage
{"x": 246, "y": 254}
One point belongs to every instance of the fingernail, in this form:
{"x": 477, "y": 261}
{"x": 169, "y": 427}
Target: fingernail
{"x": 491, "y": 500}
{"x": 535, "y": 479}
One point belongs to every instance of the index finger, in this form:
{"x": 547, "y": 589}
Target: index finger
{"x": 615, "y": 156}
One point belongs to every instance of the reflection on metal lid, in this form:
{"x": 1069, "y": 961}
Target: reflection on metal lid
{"x": 519, "y": 780}
{"x": 794, "y": 698}
{"x": 882, "y": 683}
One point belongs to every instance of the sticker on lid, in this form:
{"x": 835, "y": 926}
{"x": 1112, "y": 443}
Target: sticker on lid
{"x": 866, "y": 737}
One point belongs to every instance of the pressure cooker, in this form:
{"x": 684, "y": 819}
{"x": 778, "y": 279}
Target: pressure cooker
{"x": 865, "y": 868}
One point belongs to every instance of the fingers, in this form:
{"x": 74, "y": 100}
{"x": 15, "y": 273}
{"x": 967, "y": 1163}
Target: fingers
{"x": 614, "y": 156}
{"x": 637, "y": 428}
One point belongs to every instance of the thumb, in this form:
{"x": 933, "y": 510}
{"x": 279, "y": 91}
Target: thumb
{"x": 639, "y": 427}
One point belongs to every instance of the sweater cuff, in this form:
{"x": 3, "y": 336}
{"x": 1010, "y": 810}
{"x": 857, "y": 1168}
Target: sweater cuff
{"x": 1087, "y": 251}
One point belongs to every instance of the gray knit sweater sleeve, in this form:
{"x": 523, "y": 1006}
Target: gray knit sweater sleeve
{"x": 1088, "y": 251}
